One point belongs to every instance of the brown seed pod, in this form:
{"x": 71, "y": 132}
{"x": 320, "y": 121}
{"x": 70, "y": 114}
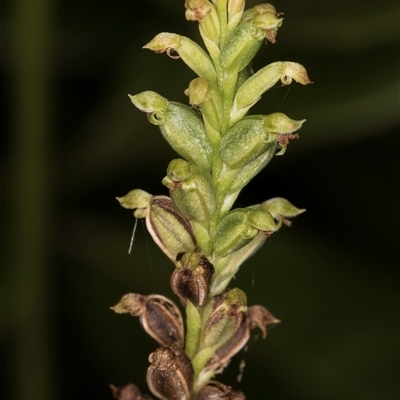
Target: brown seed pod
{"x": 223, "y": 355}
{"x": 256, "y": 316}
{"x": 223, "y": 316}
{"x": 191, "y": 277}
{"x": 159, "y": 316}
{"x": 170, "y": 375}
{"x": 218, "y": 391}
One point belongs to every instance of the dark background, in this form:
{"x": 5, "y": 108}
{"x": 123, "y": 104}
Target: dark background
{"x": 74, "y": 141}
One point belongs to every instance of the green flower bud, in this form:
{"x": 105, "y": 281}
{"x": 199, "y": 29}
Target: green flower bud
{"x": 196, "y": 10}
{"x": 253, "y": 135}
{"x": 269, "y": 23}
{"x": 235, "y": 12}
{"x": 245, "y": 141}
{"x": 205, "y": 12}
{"x": 191, "y": 190}
{"x": 191, "y": 277}
{"x": 181, "y": 127}
{"x": 239, "y": 227}
{"x": 251, "y": 90}
{"x": 206, "y": 96}
{"x": 283, "y": 127}
{"x": 244, "y": 42}
{"x": 241, "y": 46}
{"x": 232, "y": 233}
{"x": 251, "y": 13}
{"x": 190, "y": 52}
{"x": 171, "y": 231}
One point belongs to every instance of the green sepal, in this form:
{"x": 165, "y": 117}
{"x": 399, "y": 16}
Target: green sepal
{"x": 205, "y": 13}
{"x": 253, "y": 135}
{"x": 181, "y": 126}
{"x": 184, "y": 130}
{"x": 269, "y": 23}
{"x": 232, "y": 233}
{"x": 280, "y": 207}
{"x": 207, "y": 97}
{"x": 235, "y": 12}
{"x": 136, "y": 198}
{"x": 245, "y": 141}
{"x": 190, "y": 52}
{"x": 263, "y": 221}
{"x": 201, "y": 358}
{"x": 149, "y": 101}
{"x": 241, "y": 47}
{"x": 253, "y": 12}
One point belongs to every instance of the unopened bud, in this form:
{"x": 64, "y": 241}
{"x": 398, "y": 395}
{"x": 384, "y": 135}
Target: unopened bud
{"x": 245, "y": 141}
{"x": 205, "y": 13}
{"x": 170, "y": 375}
{"x": 253, "y": 12}
{"x": 207, "y": 97}
{"x": 245, "y": 40}
{"x": 269, "y": 23}
{"x": 232, "y": 233}
{"x": 239, "y": 227}
{"x": 158, "y": 315}
{"x": 241, "y": 46}
{"x": 252, "y": 136}
{"x": 191, "y": 277}
{"x": 181, "y": 126}
{"x": 235, "y": 12}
